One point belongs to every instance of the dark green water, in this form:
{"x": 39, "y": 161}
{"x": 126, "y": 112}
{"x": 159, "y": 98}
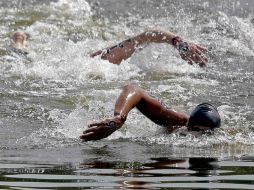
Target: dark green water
{"x": 122, "y": 165}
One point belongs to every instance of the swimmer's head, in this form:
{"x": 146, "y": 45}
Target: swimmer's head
{"x": 19, "y": 40}
{"x": 19, "y": 35}
{"x": 204, "y": 117}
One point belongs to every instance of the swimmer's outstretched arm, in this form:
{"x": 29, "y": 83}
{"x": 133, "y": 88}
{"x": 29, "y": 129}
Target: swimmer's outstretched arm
{"x": 131, "y": 97}
{"x": 190, "y": 52}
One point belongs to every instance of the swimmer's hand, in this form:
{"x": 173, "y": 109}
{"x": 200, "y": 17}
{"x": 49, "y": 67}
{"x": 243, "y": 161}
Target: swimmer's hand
{"x": 190, "y": 52}
{"x": 103, "y": 129}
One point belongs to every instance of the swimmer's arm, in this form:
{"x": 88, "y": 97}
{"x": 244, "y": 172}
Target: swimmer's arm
{"x": 122, "y": 51}
{"x": 131, "y": 97}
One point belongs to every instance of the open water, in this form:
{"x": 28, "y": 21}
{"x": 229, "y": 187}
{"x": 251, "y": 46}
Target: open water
{"x": 49, "y": 97}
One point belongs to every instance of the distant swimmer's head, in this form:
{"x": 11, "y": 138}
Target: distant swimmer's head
{"x": 204, "y": 117}
{"x": 19, "y": 35}
{"x": 19, "y": 39}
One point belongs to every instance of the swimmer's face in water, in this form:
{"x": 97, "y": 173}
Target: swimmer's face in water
{"x": 200, "y": 128}
{"x": 19, "y": 36}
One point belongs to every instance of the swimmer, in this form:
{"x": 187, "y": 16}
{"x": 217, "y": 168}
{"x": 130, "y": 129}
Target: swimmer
{"x": 190, "y": 52}
{"x": 19, "y": 42}
{"x": 205, "y": 116}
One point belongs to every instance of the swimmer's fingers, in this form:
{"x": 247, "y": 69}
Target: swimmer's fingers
{"x": 97, "y": 132}
{"x": 187, "y": 59}
{"x": 96, "y": 124}
{"x": 198, "y": 51}
{"x": 197, "y": 56}
{"x": 89, "y": 136}
{"x": 91, "y": 129}
{"x": 194, "y": 57}
{"x": 102, "y": 129}
{"x": 85, "y": 136}
{"x": 201, "y": 48}
{"x": 192, "y": 53}
{"x": 92, "y": 134}
{"x": 197, "y": 46}
{"x": 202, "y": 55}
{"x": 201, "y": 61}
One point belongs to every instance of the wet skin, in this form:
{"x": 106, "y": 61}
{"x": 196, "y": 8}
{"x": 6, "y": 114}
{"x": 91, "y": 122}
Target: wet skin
{"x": 135, "y": 97}
{"x": 190, "y": 52}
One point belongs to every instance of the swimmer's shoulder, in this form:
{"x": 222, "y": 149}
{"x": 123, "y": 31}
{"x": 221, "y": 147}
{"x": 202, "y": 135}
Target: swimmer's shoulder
{"x": 19, "y": 51}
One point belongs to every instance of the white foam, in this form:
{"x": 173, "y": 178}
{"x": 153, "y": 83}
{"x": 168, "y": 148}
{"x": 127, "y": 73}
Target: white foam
{"x": 60, "y": 45}
{"x": 79, "y": 9}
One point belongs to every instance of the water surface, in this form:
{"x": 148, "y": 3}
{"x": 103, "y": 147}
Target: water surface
{"x": 49, "y": 97}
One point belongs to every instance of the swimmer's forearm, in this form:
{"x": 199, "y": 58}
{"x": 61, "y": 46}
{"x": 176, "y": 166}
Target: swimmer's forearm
{"x": 122, "y": 51}
{"x": 155, "y": 36}
{"x": 117, "y": 53}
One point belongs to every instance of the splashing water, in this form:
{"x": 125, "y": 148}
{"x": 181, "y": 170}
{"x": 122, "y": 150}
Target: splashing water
{"x": 57, "y": 90}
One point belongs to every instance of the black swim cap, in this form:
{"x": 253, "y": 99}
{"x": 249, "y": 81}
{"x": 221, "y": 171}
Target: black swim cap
{"x": 205, "y": 115}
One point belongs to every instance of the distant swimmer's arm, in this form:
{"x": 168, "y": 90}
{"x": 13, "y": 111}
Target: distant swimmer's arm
{"x": 190, "y": 52}
{"x": 132, "y": 96}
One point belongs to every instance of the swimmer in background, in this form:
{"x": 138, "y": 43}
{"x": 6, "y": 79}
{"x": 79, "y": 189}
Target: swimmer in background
{"x": 190, "y": 52}
{"x": 204, "y": 117}
{"x": 19, "y": 43}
